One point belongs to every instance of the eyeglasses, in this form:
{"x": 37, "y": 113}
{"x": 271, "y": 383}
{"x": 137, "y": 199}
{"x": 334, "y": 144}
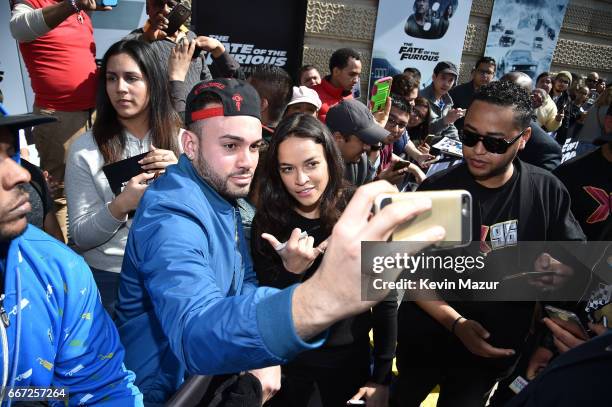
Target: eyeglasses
{"x": 417, "y": 113}
{"x": 492, "y": 144}
{"x": 393, "y": 123}
{"x": 484, "y": 72}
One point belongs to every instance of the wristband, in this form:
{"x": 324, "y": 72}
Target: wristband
{"x": 455, "y": 324}
{"x": 74, "y": 5}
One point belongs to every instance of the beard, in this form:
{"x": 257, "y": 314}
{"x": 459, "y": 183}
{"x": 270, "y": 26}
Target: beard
{"x": 17, "y": 225}
{"x": 220, "y": 183}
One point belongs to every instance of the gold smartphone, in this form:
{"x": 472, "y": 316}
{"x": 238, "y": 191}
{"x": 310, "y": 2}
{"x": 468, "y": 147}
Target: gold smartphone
{"x": 451, "y": 209}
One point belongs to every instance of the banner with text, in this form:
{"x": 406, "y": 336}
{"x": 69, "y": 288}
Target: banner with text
{"x": 523, "y": 34}
{"x": 253, "y": 34}
{"x": 418, "y": 34}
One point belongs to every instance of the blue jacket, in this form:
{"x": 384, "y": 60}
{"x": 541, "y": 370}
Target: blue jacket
{"x": 188, "y": 296}
{"x": 66, "y": 337}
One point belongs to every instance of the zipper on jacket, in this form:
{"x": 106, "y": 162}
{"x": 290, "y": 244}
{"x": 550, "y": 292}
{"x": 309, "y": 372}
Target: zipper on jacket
{"x": 3, "y": 314}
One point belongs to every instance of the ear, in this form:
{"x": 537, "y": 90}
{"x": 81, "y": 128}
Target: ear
{"x": 338, "y": 137}
{"x": 433, "y": 77}
{"x": 525, "y": 138}
{"x": 264, "y": 104}
{"x": 191, "y": 144}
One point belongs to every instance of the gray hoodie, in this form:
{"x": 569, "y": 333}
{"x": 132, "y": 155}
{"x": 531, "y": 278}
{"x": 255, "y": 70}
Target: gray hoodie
{"x": 436, "y": 122}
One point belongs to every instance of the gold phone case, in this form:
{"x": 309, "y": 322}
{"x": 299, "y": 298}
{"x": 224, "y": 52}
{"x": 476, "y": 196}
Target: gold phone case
{"x": 451, "y": 209}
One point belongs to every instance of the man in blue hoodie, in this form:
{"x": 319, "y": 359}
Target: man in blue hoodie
{"x": 188, "y": 297}
{"x": 54, "y": 329}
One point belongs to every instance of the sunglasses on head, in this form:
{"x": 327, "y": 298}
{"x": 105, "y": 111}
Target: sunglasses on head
{"x": 492, "y": 144}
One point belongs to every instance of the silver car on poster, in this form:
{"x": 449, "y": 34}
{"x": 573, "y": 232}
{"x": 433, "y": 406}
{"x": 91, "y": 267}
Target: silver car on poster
{"x": 518, "y": 60}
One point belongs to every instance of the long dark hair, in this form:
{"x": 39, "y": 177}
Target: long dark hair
{"x": 275, "y": 204}
{"x": 164, "y": 122}
{"x": 421, "y": 131}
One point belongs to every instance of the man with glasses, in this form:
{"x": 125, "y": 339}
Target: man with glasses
{"x": 465, "y": 347}
{"x": 356, "y": 133}
{"x": 390, "y": 168}
{"x": 567, "y": 113}
{"x": 483, "y": 73}
{"x": 591, "y": 80}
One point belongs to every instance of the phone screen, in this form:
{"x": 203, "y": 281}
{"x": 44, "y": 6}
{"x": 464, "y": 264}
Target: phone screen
{"x": 380, "y": 93}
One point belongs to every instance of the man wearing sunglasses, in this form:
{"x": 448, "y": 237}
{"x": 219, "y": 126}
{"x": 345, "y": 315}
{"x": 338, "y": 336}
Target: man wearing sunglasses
{"x": 466, "y": 346}
{"x": 567, "y": 113}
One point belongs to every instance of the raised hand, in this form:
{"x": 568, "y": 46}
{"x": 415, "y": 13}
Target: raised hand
{"x": 298, "y": 253}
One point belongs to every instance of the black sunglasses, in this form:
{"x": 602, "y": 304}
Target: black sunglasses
{"x": 492, "y": 144}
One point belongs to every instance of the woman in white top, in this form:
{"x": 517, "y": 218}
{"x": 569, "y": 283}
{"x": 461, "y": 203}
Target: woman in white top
{"x": 134, "y": 116}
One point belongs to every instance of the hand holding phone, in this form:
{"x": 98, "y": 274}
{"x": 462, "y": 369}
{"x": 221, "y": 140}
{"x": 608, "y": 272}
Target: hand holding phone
{"x": 451, "y": 209}
{"x": 107, "y": 3}
{"x": 567, "y": 320}
{"x": 380, "y": 92}
{"x": 177, "y": 17}
{"x": 398, "y": 165}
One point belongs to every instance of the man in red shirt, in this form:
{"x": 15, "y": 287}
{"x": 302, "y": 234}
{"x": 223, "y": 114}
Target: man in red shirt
{"x": 344, "y": 68}
{"x": 57, "y": 44}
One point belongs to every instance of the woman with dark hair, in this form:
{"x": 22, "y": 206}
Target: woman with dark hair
{"x": 300, "y": 202}
{"x": 412, "y": 143}
{"x": 134, "y": 116}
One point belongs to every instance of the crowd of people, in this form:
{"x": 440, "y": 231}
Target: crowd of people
{"x": 233, "y": 252}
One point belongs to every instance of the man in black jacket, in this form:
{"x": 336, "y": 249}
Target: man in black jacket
{"x": 541, "y": 150}
{"x": 483, "y": 73}
{"x": 466, "y": 346}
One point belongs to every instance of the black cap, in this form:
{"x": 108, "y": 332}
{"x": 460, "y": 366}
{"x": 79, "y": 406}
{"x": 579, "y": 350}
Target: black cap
{"x": 22, "y": 121}
{"x": 238, "y": 97}
{"x": 352, "y": 117}
{"x": 446, "y": 67}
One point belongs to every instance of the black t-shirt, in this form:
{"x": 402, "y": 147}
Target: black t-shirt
{"x": 495, "y": 214}
{"x": 494, "y": 210}
{"x": 589, "y": 181}
{"x": 497, "y": 210}
{"x": 347, "y": 343}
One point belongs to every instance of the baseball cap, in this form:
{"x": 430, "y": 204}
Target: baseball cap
{"x": 446, "y": 67}
{"x": 352, "y": 117}
{"x": 21, "y": 121}
{"x": 302, "y": 94}
{"x": 238, "y": 98}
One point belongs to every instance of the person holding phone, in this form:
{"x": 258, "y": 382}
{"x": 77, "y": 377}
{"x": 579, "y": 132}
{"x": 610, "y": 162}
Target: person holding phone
{"x": 466, "y": 345}
{"x": 134, "y": 116}
{"x": 306, "y": 193}
{"x": 415, "y": 142}
{"x": 57, "y": 44}
{"x": 567, "y": 112}
{"x": 392, "y": 168}
{"x": 184, "y": 51}
{"x": 443, "y": 114}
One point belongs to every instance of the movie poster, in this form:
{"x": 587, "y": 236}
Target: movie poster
{"x": 255, "y": 33}
{"x": 419, "y": 34}
{"x": 523, "y": 34}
